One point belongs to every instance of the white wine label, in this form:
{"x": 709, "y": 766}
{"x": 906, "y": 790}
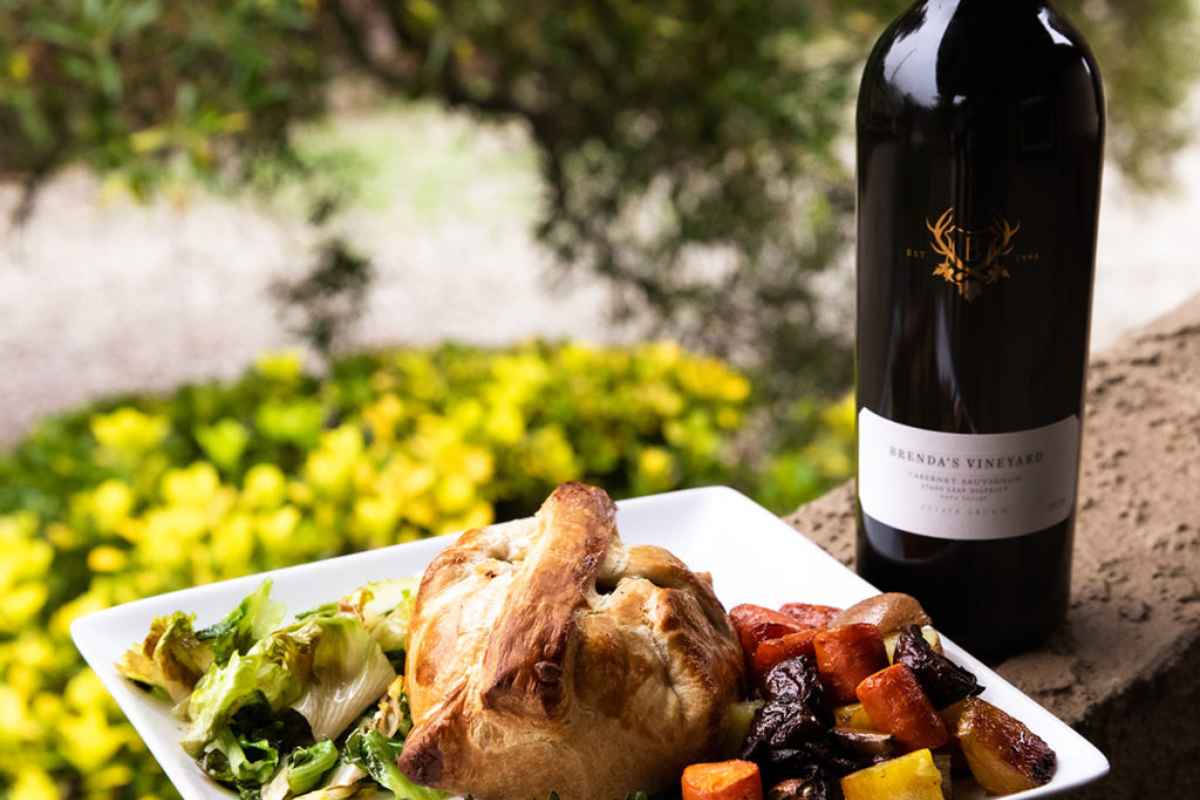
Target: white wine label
{"x": 967, "y": 486}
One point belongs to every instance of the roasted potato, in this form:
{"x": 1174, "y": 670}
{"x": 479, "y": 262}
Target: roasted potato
{"x": 910, "y": 777}
{"x": 853, "y": 716}
{"x": 724, "y": 780}
{"x": 889, "y": 612}
{"x": 1003, "y": 754}
{"x": 847, "y": 654}
{"x": 928, "y": 631}
{"x": 897, "y": 705}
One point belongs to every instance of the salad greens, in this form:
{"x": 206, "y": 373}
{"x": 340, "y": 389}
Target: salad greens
{"x": 313, "y": 709}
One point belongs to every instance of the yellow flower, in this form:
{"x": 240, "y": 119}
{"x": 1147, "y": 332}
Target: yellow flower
{"x": 20, "y": 66}
{"x": 264, "y": 487}
{"x": 383, "y": 415}
{"x": 19, "y": 525}
{"x": 454, "y": 493}
{"x": 194, "y": 486}
{"x": 129, "y": 431}
{"x": 655, "y": 466}
{"x": 23, "y": 559}
{"x": 505, "y": 424}
{"x": 233, "y": 544}
{"x": 109, "y": 778}
{"x": 47, "y": 707}
{"x": 375, "y": 517}
{"x": 107, "y": 559}
{"x": 87, "y": 740}
{"x": 841, "y": 417}
{"x": 284, "y": 366}
{"x": 33, "y": 783}
{"x": 92, "y": 600}
{"x": 275, "y": 529}
{"x": 111, "y": 503}
{"x": 85, "y": 691}
{"x": 15, "y": 720}
{"x": 19, "y": 605}
{"x": 478, "y": 464}
{"x": 169, "y": 536}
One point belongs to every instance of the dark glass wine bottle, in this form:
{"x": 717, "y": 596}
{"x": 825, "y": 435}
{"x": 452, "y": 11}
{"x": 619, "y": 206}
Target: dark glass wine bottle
{"x": 980, "y": 148}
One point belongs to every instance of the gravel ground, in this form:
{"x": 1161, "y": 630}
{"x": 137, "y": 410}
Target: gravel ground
{"x": 101, "y": 295}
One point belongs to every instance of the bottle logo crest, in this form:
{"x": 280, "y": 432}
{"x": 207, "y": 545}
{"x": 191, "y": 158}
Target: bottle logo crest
{"x": 972, "y": 259}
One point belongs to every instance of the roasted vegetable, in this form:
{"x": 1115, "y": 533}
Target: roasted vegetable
{"x": 755, "y": 624}
{"x": 1003, "y": 754}
{"x": 910, "y": 777}
{"x": 735, "y": 725}
{"x": 811, "y": 786}
{"x": 794, "y": 713}
{"x": 796, "y": 681}
{"x": 887, "y": 612}
{"x": 853, "y": 716}
{"x": 846, "y": 655}
{"x": 943, "y": 681}
{"x": 868, "y": 743}
{"x": 776, "y": 651}
{"x": 724, "y": 780}
{"x": 171, "y": 658}
{"x": 809, "y": 615}
{"x": 897, "y": 705}
{"x": 945, "y": 765}
{"x": 928, "y": 631}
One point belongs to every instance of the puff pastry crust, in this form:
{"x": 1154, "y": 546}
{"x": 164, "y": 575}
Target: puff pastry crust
{"x": 545, "y": 655}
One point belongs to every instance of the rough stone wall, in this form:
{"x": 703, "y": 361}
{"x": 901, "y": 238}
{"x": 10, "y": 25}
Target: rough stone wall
{"x": 1125, "y": 670}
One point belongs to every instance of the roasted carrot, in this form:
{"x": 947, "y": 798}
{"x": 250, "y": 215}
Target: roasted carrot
{"x": 724, "y": 780}
{"x": 846, "y": 655}
{"x": 776, "y": 651}
{"x": 897, "y": 705}
{"x": 755, "y": 624}
{"x": 813, "y": 616}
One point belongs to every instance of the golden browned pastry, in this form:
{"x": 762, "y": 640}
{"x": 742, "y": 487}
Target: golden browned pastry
{"x": 545, "y": 655}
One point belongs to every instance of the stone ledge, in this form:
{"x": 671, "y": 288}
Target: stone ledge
{"x": 1125, "y": 670}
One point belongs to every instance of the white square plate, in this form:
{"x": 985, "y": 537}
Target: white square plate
{"x": 754, "y": 557}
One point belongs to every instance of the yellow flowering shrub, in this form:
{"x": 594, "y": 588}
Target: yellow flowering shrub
{"x": 144, "y": 495}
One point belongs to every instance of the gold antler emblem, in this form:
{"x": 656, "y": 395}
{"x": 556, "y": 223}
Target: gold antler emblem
{"x": 968, "y": 274}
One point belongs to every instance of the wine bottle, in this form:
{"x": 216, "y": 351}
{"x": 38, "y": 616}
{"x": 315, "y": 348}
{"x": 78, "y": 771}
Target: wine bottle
{"x": 980, "y": 147}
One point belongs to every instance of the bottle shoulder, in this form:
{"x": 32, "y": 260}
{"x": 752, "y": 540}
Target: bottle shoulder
{"x": 934, "y": 61}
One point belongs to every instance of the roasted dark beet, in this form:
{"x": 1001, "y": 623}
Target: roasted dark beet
{"x": 795, "y": 681}
{"x": 780, "y": 725}
{"x": 795, "y": 710}
{"x": 943, "y": 681}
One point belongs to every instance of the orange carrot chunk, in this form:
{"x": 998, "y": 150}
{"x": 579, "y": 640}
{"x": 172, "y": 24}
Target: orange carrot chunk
{"x": 897, "y": 705}
{"x": 755, "y": 624}
{"x": 811, "y": 615}
{"x": 846, "y": 655}
{"x": 776, "y": 651}
{"x": 724, "y": 780}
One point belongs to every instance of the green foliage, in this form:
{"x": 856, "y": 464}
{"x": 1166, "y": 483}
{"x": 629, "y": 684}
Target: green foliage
{"x": 141, "y": 495}
{"x": 688, "y": 148}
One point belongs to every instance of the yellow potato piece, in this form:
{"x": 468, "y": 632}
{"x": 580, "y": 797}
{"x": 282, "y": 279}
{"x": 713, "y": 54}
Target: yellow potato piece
{"x": 1004, "y": 755}
{"x": 853, "y": 716}
{"x": 911, "y": 777}
{"x": 927, "y": 631}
